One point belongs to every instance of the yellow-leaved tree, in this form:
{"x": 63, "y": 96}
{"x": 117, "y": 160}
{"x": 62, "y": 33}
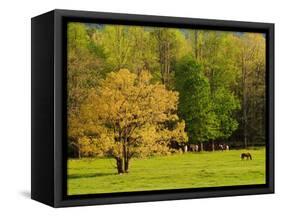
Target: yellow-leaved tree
{"x": 128, "y": 116}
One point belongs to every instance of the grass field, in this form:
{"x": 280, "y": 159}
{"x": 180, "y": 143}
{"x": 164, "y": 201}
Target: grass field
{"x": 190, "y": 170}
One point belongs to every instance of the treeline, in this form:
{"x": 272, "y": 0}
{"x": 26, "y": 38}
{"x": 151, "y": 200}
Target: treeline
{"x": 220, "y": 76}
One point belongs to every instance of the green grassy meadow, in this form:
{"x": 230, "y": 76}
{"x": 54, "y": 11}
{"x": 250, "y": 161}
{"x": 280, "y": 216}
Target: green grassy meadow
{"x": 189, "y": 170}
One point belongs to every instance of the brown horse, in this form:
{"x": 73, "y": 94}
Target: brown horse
{"x": 246, "y": 155}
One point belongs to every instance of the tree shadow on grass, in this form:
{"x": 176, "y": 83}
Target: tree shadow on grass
{"x": 89, "y": 175}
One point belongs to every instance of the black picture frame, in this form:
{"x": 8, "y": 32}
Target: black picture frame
{"x": 48, "y": 74}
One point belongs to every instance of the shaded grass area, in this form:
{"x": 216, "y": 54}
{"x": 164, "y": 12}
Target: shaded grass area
{"x": 190, "y": 170}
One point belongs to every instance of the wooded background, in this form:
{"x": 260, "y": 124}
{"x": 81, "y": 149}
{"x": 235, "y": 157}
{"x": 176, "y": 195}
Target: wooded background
{"x": 219, "y": 78}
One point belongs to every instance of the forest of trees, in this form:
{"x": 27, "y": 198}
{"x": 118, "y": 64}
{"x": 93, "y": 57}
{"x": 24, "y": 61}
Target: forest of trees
{"x": 135, "y": 91}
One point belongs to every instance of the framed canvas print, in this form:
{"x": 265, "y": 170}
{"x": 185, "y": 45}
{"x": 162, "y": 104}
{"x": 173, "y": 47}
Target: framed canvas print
{"x": 133, "y": 108}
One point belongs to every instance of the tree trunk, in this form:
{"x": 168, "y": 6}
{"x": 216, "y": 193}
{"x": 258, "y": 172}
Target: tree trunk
{"x": 79, "y": 151}
{"x": 119, "y": 164}
{"x": 126, "y": 158}
{"x": 164, "y": 57}
{"x": 196, "y": 47}
{"x": 213, "y": 145}
{"x": 245, "y": 139}
{"x": 201, "y": 146}
{"x": 126, "y": 165}
{"x": 245, "y": 118}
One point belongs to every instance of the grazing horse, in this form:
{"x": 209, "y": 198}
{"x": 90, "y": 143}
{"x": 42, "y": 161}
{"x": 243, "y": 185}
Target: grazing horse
{"x": 246, "y": 155}
{"x": 226, "y": 147}
{"x": 194, "y": 148}
{"x": 223, "y": 147}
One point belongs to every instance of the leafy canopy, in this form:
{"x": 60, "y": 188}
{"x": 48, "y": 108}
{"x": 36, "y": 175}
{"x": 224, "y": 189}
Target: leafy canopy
{"x": 127, "y": 110}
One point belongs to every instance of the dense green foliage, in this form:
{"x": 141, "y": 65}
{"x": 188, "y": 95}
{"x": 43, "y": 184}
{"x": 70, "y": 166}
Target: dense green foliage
{"x": 195, "y": 106}
{"x": 90, "y": 175}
